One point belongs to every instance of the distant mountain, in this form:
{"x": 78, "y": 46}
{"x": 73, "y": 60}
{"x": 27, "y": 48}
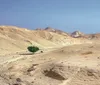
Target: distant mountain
{"x": 77, "y": 34}
{"x": 93, "y": 36}
{"x": 50, "y": 29}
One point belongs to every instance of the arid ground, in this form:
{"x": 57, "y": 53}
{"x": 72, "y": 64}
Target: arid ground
{"x": 67, "y": 59}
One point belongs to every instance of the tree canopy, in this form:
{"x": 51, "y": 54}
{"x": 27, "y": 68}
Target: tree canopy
{"x": 33, "y": 49}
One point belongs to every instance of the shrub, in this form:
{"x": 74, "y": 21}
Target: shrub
{"x": 33, "y": 49}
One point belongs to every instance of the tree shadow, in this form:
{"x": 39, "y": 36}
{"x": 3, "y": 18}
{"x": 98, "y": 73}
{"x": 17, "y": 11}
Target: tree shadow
{"x": 26, "y": 53}
{"x": 30, "y": 53}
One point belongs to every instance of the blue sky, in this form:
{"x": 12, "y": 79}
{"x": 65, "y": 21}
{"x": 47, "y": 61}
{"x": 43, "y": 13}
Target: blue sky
{"x": 67, "y": 15}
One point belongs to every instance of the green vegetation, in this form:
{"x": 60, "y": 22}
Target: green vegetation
{"x": 33, "y": 49}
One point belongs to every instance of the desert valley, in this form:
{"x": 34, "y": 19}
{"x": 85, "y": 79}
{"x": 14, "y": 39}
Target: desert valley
{"x": 66, "y": 58}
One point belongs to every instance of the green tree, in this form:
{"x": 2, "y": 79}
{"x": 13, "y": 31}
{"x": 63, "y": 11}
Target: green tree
{"x": 33, "y": 49}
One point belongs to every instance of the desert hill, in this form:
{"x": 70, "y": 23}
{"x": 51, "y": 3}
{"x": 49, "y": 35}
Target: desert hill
{"x": 67, "y": 58}
{"x": 19, "y": 38}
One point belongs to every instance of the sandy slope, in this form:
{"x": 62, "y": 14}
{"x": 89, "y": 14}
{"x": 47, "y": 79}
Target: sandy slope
{"x": 18, "y": 39}
{"x": 71, "y": 65}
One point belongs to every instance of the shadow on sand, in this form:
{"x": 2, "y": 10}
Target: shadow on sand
{"x": 26, "y": 53}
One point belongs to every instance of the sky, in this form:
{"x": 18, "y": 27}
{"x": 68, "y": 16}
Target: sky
{"x": 66, "y": 15}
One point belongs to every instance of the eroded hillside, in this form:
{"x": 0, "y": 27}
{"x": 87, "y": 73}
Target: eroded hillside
{"x": 19, "y": 38}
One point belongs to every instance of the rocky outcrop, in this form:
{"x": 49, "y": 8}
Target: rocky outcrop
{"x": 77, "y": 34}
